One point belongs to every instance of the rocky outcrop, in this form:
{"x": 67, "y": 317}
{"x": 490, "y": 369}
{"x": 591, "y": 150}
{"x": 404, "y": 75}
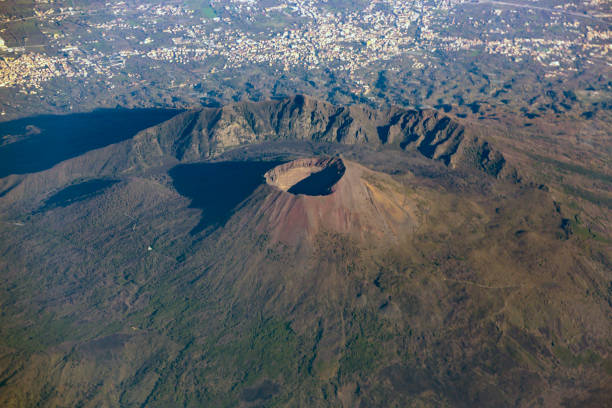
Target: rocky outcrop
{"x": 208, "y": 132}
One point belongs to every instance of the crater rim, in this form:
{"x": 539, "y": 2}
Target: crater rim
{"x": 308, "y": 176}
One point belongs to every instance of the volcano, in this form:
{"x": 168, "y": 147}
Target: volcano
{"x": 333, "y": 194}
{"x": 296, "y": 253}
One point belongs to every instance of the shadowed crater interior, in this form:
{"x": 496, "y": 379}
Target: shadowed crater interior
{"x": 314, "y": 177}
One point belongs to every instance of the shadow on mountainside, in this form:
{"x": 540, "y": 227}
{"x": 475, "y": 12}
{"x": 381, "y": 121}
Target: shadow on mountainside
{"x": 78, "y": 192}
{"x": 217, "y": 188}
{"x": 38, "y": 143}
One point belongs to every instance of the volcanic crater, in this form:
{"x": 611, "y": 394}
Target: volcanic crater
{"x": 311, "y": 176}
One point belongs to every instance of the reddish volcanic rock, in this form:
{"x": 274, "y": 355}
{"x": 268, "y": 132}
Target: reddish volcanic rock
{"x": 311, "y": 195}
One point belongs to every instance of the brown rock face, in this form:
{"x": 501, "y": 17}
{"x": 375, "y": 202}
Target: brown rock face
{"x": 208, "y": 132}
{"x": 314, "y": 194}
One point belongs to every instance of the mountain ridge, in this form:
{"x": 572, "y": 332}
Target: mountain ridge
{"x": 208, "y": 132}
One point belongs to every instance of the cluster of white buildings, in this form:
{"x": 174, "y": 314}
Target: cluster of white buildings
{"x": 339, "y": 39}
